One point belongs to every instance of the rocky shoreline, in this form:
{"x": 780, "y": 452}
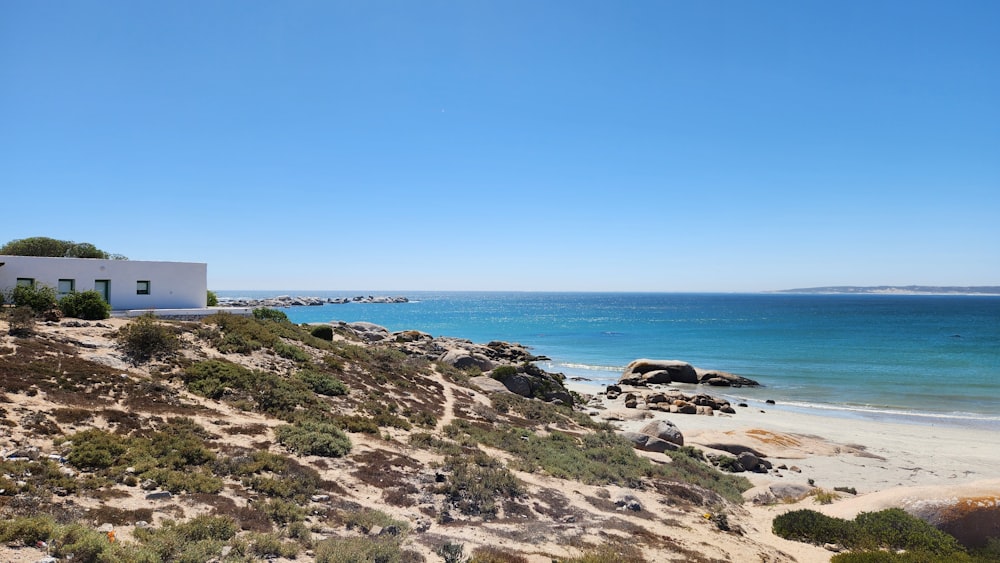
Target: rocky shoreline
{"x": 284, "y": 301}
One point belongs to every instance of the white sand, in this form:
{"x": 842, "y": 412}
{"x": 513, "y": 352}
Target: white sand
{"x": 868, "y": 455}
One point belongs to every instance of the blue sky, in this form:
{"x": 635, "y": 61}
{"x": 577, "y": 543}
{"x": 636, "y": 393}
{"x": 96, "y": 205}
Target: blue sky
{"x": 511, "y": 145}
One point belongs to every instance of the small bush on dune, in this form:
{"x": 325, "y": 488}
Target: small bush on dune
{"x": 322, "y": 383}
{"x": 145, "y": 339}
{"x": 265, "y": 314}
{"x": 324, "y": 332}
{"x": 314, "y": 438}
{"x": 891, "y": 529}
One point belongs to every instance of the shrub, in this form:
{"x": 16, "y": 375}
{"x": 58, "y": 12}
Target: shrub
{"x": 39, "y": 297}
{"x": 314, "y": 438}
{"x": 265, "y": 314}
{"x": 95, "y": 449}
{"x": 27, "y": 530}
{"x": 290, "y": 351}
{"x": 503, "y": 372}
{"x": 21, "y": 321}
{"x": 211, "y": 300}
{"x": 324, "y": 332}
{"x": 322, "y": 383}
{"x": 87, "y": 305}
{"x": 887, "y": 529}
{"x": 357, "y": 549}
{"x": 144, "y": 339}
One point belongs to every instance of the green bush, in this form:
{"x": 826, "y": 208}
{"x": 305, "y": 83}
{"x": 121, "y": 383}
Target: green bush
{"x": 27, "y": 530}
{"x": 265, "y": 314}
{"x": 144, "y": 339}
{"x": 211, "y": 300}
{"x": 95, "y": 449}
{"x": 324, "y": 332}
{"x": 359, "y": 550}
{"x": 503, "y": 372}
{"x": 322, "y": 383}
{"x": 891, "y": 529}
{"x": 290, "y": 351}
{"x": 314, "y": 438}
{"x": 87, "y": 305}
{"x": 39, "y": 297}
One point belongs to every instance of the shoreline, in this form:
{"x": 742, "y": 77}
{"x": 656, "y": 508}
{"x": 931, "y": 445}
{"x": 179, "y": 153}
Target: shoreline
{"x": 834, "y": 411}
{"x": 888, "y": 463}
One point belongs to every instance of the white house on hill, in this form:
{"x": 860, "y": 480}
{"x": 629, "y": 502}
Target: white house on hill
{"x": 125, "y": 284}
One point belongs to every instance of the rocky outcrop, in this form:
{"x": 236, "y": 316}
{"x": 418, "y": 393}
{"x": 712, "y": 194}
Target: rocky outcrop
{"x": 646, "y": 372}
{"x": 519, "y": 375}
{"x": 669, "y": 400}
{"x": 282, "y": 301}
{"x": 528, "y": 380}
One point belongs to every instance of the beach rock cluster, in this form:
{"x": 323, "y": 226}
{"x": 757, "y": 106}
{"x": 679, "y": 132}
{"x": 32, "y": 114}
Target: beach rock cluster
{"x": 283, "y": 301}
{"x": 645, "y": 372}
{"x": 669, "y": 400}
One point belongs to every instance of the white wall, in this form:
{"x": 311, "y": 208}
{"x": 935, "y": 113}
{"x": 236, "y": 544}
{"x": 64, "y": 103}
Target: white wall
{"x": 173, "y": 285}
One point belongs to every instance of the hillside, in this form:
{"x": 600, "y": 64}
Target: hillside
{"x": 253, "y": 439}
{"x": 900, "y": 290}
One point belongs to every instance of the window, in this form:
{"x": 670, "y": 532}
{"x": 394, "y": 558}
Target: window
{"x": 142, "y": 287}
{"x": 66, "y": 287}
{"x": 26, "y": 282}
{"x": 104, "y": 288}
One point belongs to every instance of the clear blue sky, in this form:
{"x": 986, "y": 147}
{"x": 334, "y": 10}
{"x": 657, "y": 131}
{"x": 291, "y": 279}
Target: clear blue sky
{"x": 511, "y": 145}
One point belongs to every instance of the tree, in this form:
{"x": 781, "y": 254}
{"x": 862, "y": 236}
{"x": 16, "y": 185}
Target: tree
{"x": 53, "y": 248}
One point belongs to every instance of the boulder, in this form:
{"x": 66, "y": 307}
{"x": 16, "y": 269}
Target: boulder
{"x": 664, "y": 430}
{"x": 748, "y": 460}
{"x": 463, "y": 359}
{"x": 648, "y": 443}
{"x": 724, "y": 379}
{"x": 644, "y": 372}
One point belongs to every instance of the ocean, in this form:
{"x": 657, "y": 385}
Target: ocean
{"x": 923, "y": 359}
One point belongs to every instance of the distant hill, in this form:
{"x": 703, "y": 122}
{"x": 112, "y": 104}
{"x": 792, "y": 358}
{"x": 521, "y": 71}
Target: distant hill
{"x": 902, "y": 289}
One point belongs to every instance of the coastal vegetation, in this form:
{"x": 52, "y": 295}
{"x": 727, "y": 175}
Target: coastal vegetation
{"x": 246, "y": 438}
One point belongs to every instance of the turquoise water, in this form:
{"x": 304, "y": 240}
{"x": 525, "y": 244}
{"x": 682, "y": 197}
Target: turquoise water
{"x": 927, "y": 359}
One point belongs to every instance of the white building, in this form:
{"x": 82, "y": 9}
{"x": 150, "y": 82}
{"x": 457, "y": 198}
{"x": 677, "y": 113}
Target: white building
{"x": 125, "y": 284}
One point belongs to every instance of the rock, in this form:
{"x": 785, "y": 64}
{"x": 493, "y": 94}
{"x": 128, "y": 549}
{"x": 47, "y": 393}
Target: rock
{"x": 644, "y": 372}
{"x": 463, "y": 359}
{"x": 165, "y": 495}
{"x": 653, "y": 398}
{"x": 789, "y": 491}
{"x": 686, "y": 408}
{"x": 142, "y": 525}
{"x": 705, "y": 410}
{"x": 648, "y": 443}
{"x": 664, "y": 430}
{"x": 728, "y": 409}
{"x": 628, "y": 502}
{"x": 319, "y": 498}
{"x": 631, "y": 403}
{"x": 748, "y": 460}
{"x": 106, "y": 527}
{"x": 724, "y": 379}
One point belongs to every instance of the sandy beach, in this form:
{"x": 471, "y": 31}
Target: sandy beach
{"x": 921, "y": 468}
